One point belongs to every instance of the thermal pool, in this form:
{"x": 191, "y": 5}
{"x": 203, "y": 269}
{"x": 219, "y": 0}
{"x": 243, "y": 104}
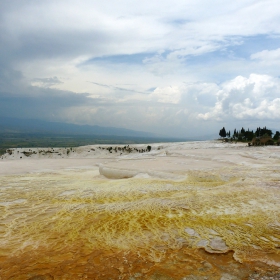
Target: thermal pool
{"x": 195, "y": 210}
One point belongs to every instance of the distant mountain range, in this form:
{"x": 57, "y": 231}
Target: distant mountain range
{"x": 13, "y": 125}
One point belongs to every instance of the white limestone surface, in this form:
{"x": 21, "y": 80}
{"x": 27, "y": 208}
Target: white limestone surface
{"x": 172, "y": 158}
{"x": 214, "y": 196}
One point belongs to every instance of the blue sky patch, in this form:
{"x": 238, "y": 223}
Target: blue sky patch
{"x": 120, "y": 59}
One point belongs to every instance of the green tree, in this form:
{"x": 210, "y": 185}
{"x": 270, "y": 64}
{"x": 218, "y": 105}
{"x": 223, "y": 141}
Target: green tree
{"x": 223, "y": 132}
{"x": 276, "y": 135}
{"x": 249, "y": 135}
{"x": 262, "y": 131}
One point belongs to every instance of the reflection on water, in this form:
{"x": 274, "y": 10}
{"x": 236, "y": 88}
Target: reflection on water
{"x": 69, "y": 225}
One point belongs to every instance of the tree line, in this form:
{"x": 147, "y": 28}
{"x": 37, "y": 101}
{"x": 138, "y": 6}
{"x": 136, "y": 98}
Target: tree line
{"x": 248, "y": 135}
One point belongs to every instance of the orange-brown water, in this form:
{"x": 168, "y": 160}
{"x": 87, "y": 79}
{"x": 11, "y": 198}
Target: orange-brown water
{"x": 70, "y": 225}
{"x": 78, "y": 263}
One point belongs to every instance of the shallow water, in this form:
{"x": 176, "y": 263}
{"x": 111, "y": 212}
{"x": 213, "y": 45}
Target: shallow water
{"x": 76, "y": 225}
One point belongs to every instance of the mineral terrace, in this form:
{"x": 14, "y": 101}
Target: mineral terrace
{"x": 193, "y": 211}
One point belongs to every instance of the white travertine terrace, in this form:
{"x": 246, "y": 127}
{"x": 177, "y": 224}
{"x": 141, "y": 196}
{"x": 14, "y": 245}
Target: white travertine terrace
{"x": 221, "y": 197}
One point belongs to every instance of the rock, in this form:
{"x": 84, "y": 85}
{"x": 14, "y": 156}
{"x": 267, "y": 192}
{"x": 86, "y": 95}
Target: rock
{"x": 202, "y": 243}
{"x": 215, "y": 245}
{"x": 218, "y": 244}
{"x": 191, "y": 232}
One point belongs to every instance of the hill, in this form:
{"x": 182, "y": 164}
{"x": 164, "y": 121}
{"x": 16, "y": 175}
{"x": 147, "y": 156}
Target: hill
{"x": 13, "y": 125}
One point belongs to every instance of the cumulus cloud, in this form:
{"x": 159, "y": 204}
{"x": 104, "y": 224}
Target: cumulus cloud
{"x": 255, "y": 97}
{"x": 169, "y": 109}
{"x": 146, "y": 66}
{"x": 195, "y": 95}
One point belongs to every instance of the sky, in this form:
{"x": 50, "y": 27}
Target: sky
{"x": 176, "y": 68}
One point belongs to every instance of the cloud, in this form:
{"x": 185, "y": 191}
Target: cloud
{"x": 41, "y": 103}
{"x": 168, "y": 67}
{"x": 169, "y": 94}
{"x": 170, "y": 110}
{"x": 69, "y": 28}
{"x": 255, "y": 97}
{"x": 46, "y": 82}
{"x": 267, "y": 56}
{"x": 117, "y": 88}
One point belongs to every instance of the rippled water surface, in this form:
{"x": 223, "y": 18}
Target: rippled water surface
{"x": 71, "y": 224}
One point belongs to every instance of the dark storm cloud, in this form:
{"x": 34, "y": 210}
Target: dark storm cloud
{"x": 52, "y": 44}
{"x": 11, "y": 81}
{"x": 152, "y": 65}
{"x": 18, "y": 99}
{"x": 26, "y": 36}
{"x": 40, "y": 103}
